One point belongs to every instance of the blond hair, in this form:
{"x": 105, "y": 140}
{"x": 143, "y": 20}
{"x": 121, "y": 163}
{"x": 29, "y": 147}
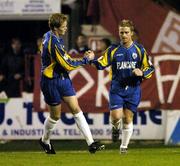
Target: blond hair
{"x": 56, "y": 20}
{"x": 127, "y": 23}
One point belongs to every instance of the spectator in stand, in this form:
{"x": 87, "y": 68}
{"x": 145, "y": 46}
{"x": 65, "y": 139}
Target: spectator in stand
{"x": 80, "y": 47}
{"x": 38, "y": 45}
{"x": 12, "y": 68}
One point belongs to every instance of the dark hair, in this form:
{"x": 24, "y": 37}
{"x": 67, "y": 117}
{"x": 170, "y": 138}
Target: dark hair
{"x": 56, "y": 20}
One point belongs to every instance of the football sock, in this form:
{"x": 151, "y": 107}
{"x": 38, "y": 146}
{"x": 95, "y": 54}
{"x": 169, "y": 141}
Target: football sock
{"x": 49, "y": 125}
{"x": 83, "y": 127}
{"x": 126, "y": 134}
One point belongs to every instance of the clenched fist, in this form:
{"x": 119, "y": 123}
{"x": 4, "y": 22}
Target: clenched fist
{"x": 137, "y": 72}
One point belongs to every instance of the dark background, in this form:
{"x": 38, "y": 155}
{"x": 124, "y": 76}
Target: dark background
{"x": 29, "y": 30}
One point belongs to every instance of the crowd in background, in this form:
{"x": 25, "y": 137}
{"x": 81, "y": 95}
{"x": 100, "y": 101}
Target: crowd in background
{"x": 17, "y": 63}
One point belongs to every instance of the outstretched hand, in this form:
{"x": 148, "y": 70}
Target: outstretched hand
{"x": 89, "y": 54}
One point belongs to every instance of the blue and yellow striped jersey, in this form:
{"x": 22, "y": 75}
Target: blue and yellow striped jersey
{"x": 123, "y": 60}
{"x": 55, "y": 60}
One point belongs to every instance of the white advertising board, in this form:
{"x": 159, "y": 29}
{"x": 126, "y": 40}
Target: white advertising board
{"x": 28, "y": 9}
{"x": 18, "y": 121}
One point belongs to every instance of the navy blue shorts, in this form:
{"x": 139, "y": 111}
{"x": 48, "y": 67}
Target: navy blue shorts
{"x": 124, "y": 97}
{"x": 55, "y": 89}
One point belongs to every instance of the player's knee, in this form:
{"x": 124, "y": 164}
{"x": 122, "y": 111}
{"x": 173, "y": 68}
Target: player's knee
{"x": 127, "y": 120}
{"x": 75, "y": 110}
{"x": 115, "y": 121}
{"x": 55, "y": 117}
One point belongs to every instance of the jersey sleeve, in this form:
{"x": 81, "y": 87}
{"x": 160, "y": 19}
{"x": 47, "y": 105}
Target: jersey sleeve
{"x": 147, "y": 66}
{"x": 106, "y": 59}
{"x": 64, "y": 59}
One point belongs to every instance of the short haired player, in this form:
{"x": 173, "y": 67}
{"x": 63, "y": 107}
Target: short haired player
{"x": 56, "y": 84}
{"x": 130, "y": 66}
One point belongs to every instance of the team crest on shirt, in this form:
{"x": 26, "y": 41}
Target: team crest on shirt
{"x": 134, "y": 55}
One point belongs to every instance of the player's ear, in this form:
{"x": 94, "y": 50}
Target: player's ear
{"x": 55, "y": 28}
{"x": 132, "y": 33}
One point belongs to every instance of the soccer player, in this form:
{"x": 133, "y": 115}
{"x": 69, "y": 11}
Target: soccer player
{"x": 130, "y": 65}
{"x": 56, "y": 84}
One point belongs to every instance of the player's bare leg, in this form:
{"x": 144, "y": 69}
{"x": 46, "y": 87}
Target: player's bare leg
{"x": 116, "y": 121}
{"x": 127, "y": 130}
{"x": 82, "y": 124}
{"x": 49, "y": 125}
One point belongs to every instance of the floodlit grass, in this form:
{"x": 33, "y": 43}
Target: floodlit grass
{"x": 141, "y": 155}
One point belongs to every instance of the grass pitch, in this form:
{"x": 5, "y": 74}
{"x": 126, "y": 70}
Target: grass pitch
{"x": 30, "y": 154}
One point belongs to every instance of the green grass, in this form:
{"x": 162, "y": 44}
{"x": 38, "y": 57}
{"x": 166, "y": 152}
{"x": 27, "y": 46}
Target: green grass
{"x": 74, "y": 153}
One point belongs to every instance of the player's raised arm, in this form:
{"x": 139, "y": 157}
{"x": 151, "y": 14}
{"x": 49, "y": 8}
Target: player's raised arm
{"x": 106, "y": 59}
{"x": 64, "y": 59}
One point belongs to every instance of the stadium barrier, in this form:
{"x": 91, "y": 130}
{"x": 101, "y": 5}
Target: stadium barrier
{"x": 18, "y": 121}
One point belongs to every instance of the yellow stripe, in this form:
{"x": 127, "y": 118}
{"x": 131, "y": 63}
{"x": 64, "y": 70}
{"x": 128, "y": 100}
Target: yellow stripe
{"x": 112, "y": 53}
{"x": 110, "y": 70}
{"x": 139, "y": 51}
{"x": 49, "y": 45}
{"x": 66, "y": 55}
{"x": 63, "y": 62}
{"x": 145, "y": 63}
{"x": 48, "y": 72}
{"x": 104, "y": 60}
{"x": 149, "y": 75}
